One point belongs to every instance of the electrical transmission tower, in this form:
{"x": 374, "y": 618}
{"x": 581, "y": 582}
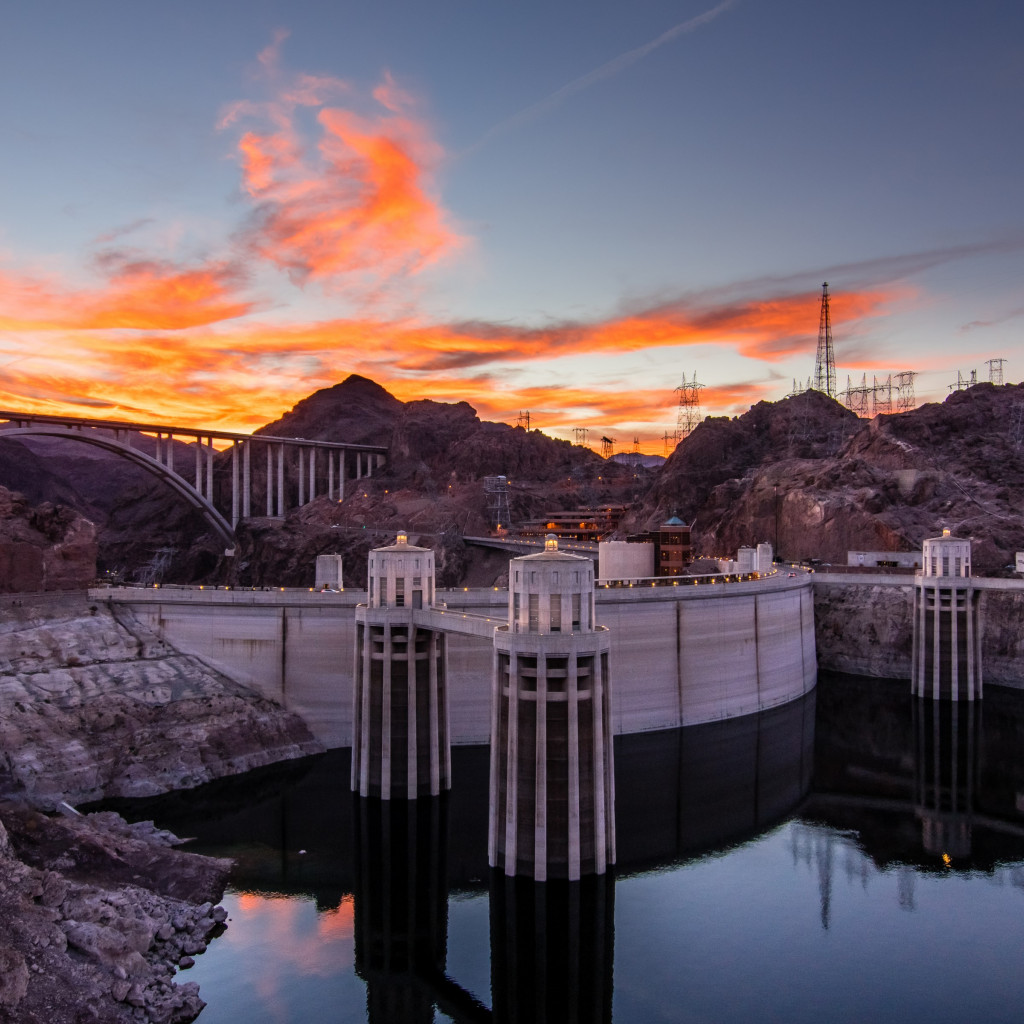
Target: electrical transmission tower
{"x": 995, "y": 370}
{"x": 881, "y": 396}
{"x": 524, "y": 420}
{"x": 963, "y": 383}
{"x": 496, "y": 489}
{"x": 607, "y": 447}
{"x": 669, "y": 439}
{"x": 856, "y": 398}
{"x": 689, "y": 407}
{"x": 825, "y": 361}
{"x": 580, "y": 435}
{"x": 904, "y": 381}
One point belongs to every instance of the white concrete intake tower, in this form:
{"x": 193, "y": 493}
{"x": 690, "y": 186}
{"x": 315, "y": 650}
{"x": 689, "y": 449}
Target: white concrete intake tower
{"x": 552, "y": 798}
{"x": 947, "y": 638}
{"x": 401, "y": 737}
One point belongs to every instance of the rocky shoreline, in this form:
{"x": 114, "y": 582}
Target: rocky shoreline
{"x": 97, "y": 916}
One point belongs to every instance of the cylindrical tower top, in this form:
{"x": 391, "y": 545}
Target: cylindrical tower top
{"x": 946, "y": 556}
{"x": 400, "y": 575}
{"x": 551, "y": 592}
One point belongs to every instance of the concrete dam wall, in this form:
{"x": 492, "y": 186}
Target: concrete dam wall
{"x": 680, "y": 655}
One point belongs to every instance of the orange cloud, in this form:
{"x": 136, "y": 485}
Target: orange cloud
{"x": 245, "y": 374}
{"x": 355, "y": 209}
{"x": 138, "y": 294}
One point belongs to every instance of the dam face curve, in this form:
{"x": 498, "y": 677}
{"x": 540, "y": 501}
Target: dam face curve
{"x": 680, "y": 656}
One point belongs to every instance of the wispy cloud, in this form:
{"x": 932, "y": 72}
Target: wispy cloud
{"x": 995, "y": 321}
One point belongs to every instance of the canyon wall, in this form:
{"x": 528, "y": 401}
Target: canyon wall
{"x": 863, "y": 626}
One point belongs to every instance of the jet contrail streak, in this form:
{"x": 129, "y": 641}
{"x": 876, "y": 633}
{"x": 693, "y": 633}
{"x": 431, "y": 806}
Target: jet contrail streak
{"x": 612, "y": 67}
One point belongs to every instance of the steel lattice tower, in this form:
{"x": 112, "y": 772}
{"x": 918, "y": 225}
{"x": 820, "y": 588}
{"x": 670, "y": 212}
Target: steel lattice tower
{"x": 825, "y": 363}
{"x": 689, "y": 407}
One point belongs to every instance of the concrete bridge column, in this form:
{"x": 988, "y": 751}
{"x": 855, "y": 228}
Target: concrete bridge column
{"x": 269, "y": 481}
{"x": 312, "y": 473}
{"x": 330, "y": 474}
{"x": 209, "y": 469}
{"x": 280, "y": 480}
{"x": 246, "y": 481}
{"x": 234, "y": 485}
{"x": 341, "y": 476}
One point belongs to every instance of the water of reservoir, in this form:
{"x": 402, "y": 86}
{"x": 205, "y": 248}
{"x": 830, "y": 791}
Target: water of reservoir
{"x": 857, "y": 856}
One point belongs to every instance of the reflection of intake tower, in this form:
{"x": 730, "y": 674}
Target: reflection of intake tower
{"x": 552, "y": 788}
{"x": 947, "y": 641}
{"x": 400, "y": 744}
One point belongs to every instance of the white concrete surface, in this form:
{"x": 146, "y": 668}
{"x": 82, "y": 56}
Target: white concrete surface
{"x": 680, "y": 654}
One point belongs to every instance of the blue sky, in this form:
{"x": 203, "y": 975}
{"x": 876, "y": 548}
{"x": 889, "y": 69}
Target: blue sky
{"x": 592, "y": 198}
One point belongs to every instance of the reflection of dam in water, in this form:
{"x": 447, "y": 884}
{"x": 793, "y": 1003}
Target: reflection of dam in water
{"x": 856, "y": 776}
{"x": 680, "y": 792}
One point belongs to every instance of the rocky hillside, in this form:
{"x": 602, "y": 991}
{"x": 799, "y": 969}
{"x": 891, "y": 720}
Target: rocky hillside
{"x": 803, "y": 473}
{"x": 44, "y": 547}
{"x": 811, "y": 478}
{"x": 95, "y": 706}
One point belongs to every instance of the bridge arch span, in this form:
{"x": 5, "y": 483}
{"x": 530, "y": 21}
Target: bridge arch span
{"x": 166, "y": 475}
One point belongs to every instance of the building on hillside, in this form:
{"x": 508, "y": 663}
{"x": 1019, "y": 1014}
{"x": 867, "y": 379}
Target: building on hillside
{"x": 674, "y": 552}
{"x": 585, "y": 524}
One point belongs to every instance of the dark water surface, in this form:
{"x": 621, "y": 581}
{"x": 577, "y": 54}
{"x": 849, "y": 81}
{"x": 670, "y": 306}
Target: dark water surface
{"x": 856, "y": 856}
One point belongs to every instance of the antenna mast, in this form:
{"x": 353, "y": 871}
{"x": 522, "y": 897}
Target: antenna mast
{"x": 825, "y": 362}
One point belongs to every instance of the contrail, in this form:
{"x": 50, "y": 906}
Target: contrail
{"x": 612, "y": 67}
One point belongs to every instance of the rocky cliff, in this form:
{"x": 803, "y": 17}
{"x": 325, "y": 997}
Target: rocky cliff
{"x": 867, "y": 629}
{"x": 44, "y": 547}
{"x": 95, "y": 706}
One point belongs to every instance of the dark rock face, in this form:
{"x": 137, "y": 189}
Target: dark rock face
{"x": 44, "y": 547}
{"x": 96, "y": 916}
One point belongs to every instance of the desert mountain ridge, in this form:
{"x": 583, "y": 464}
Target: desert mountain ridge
{"x": 803, "y": 473}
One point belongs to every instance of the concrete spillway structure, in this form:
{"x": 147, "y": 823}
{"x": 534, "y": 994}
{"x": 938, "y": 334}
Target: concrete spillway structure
{"x": 401, "y": 744}
{"x": 947, "y": 638}
{"x": 552, "y": 783}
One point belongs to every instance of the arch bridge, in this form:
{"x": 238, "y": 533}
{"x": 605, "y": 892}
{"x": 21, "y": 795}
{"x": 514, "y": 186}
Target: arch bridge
{"x": 258, "y": 462}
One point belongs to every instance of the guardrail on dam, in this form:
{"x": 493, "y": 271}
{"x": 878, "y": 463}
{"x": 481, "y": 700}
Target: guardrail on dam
{"x": 680, "y": 655}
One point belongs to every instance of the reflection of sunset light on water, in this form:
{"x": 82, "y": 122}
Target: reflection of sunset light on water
{"x": 288, "y": 938}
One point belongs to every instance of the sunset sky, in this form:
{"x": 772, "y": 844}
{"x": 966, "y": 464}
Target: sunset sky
{"x": 212, "y": 209}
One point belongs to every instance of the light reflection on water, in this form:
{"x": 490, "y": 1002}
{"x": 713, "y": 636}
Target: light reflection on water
{"x": 786, "y": 867}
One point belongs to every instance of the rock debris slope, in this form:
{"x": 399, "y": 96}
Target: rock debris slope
{"x": 95, "y": 706}
{"x": 96, "y": 917}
